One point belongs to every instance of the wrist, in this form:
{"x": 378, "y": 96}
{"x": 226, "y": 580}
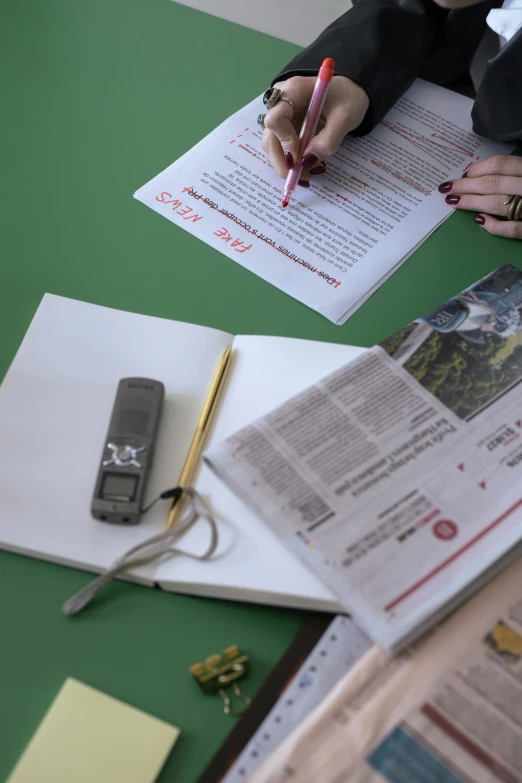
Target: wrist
{"x": 355, "y": 94}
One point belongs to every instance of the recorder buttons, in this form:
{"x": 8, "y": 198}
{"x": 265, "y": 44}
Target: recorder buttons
{"x": 123, "y": 455}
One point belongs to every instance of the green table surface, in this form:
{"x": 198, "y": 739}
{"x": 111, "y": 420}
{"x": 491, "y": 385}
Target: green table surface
{"x": 98, "y": 96}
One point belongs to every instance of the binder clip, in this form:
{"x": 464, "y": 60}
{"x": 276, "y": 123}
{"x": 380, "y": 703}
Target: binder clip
{"x": 221, "y": 670}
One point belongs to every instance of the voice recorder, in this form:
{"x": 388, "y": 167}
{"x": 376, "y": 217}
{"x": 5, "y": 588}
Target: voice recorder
{"x": 128, "y": 451}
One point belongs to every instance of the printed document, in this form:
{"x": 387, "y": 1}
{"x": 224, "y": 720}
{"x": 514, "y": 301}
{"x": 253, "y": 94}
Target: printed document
{"x": 449, "y": 711}
{"x": 339, "y": 240}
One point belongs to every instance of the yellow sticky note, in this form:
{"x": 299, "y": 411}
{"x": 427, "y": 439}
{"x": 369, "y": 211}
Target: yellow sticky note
{"x": 89, "y": 737}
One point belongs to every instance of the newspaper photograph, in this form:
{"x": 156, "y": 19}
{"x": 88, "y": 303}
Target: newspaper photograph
{"x": 468, "y": 351}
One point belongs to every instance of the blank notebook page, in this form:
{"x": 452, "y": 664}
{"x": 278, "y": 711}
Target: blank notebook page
{"x": 89, "y": 737}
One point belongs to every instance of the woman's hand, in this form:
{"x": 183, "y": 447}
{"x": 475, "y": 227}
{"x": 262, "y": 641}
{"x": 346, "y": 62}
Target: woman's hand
{"x": 485, "y": 190}
{"x": 344, "y": 109}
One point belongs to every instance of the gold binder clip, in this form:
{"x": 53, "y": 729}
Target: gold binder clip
{"x": 219, "y": 671}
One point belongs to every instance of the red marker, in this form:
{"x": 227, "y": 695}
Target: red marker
{"x": 310, "y": 123}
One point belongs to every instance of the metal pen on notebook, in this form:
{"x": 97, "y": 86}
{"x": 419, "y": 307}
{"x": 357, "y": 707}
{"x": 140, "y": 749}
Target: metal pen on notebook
{"x": 192, "y": 459}
{"x": 310, "y": 123}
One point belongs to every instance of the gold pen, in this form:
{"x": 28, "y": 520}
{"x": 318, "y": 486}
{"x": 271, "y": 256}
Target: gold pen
{"x": 196, "y": 447}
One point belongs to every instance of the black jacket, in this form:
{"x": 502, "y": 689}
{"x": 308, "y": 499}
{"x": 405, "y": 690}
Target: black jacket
{"x": 384, "y": 44}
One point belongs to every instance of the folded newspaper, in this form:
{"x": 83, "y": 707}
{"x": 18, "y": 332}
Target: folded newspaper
{"x": 397, "y": 478}
{"x": 447, "y": 711}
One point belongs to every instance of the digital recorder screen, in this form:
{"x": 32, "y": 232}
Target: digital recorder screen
{"x": 119, "y": 485}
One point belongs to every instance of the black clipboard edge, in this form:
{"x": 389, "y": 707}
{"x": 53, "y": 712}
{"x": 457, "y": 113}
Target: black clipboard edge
{"x": 313, "y": 627}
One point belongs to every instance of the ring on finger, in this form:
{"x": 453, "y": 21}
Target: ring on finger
{"x": 273, "y": 95}
{"x": 515, "y": 208}
{"x": 261, "y": 120}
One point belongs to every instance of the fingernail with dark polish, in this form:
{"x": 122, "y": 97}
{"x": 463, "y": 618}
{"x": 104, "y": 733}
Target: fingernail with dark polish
{"x": 309, "y": 161}
{"x": 289, "y": 159}
{"x": 479, "y": 219}
{"x": 452, "y": 200}
{"x": 319, "y": 169}
{"x": 445, "y": 187}
{"x": 303, "y": 183}
{"x": 465, "y": 175}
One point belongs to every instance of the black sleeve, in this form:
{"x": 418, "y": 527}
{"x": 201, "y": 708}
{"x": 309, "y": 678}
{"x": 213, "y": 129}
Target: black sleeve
{"x": 380, "y": 44}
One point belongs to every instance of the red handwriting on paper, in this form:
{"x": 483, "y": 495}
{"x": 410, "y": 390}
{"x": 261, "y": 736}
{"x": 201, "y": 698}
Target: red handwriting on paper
{"x": 238, "y": 136}
{"x": 166, "y": 198}
{"x": 238, "y": 245}
{"x": 223, "y": 234}
{"x": 183, "y": 210}
{"x": 250, "y": 152}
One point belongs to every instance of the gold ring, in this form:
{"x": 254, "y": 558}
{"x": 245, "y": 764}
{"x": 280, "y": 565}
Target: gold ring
{"x": 509, "y": 200}
{"x": 515, "y": 208}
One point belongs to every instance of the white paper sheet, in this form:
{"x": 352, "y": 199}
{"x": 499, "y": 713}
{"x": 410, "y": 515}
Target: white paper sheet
{"x": 338, "y": 241}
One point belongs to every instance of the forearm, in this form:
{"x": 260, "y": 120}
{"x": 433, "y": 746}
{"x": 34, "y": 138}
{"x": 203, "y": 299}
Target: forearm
{"x": 380, "y": 44}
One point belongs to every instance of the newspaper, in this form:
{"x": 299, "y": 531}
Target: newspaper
{"x": 397, "y": 477}
{"x": 449, "y": 711}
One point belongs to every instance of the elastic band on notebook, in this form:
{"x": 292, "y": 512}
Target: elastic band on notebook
{"x": 158, "y": 549}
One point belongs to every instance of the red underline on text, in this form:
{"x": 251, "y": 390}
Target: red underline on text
{"x": 453, "y": 557}
{"x": 399, "y": 176}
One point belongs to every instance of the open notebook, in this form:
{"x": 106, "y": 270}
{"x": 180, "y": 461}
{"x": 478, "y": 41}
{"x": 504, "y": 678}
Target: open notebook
{"x": 55, "y": 404}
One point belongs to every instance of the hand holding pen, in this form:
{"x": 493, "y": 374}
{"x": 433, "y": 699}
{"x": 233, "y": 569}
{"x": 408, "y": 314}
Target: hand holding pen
{"x": 309, "y": 127}
{"x": 344, "y": 109}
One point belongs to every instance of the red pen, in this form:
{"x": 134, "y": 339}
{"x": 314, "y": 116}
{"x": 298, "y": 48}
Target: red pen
{"x": 310, "y": 123}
